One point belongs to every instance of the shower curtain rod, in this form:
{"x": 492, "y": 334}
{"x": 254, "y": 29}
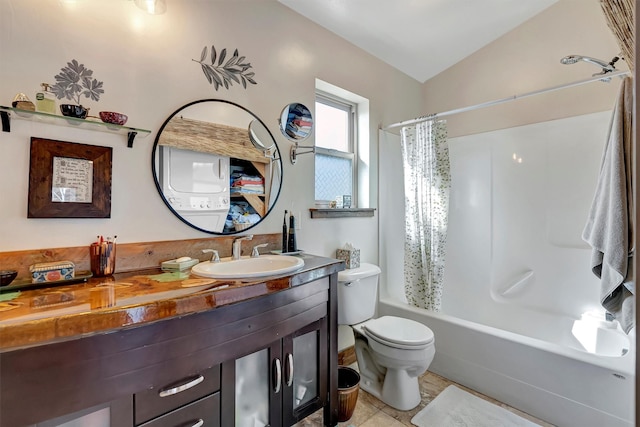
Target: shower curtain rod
{"x": 503, "y": 100}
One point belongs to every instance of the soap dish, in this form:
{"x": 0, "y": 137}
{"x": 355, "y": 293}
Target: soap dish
{"x": 175, "y": 265}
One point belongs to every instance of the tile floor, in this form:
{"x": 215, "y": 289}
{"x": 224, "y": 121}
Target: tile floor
{"x": 371, "y": 412}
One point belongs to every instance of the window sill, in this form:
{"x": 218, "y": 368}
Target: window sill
{"x": 341, "y": 213}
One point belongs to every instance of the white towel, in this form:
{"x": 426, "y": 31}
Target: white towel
{"x": 609, "y": 228}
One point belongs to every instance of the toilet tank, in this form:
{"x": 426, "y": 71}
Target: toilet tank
{"x": 357, "y": 291}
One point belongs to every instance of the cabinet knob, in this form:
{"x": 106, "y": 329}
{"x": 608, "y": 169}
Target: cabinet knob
{"x": 288, "y": 365}
{"x": 215, "y": 257}
{"x": 255, "y": 253}
{"x": 191, "y": 382}
{"x": 277, "y": 375}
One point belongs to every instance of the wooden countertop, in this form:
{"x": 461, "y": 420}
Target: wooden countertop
{"x": 100, "y": 305}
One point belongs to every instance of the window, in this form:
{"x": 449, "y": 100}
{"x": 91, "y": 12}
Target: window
{"x": 335, "y": 159}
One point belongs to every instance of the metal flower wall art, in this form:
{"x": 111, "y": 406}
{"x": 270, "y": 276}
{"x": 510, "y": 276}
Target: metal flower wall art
{"x": 76, "y": 80}
{"x": 221, "y": 73}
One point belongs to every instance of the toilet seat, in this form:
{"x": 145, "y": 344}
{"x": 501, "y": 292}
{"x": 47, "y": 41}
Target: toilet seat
{"x": 399, "y": 332}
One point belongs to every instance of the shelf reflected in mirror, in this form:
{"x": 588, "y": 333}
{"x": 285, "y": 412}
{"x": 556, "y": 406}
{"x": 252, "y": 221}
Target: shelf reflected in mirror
{"x": 217, "y": 166}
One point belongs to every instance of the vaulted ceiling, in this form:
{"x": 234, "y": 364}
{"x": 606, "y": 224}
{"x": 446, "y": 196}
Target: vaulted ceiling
{"x": 419, "y": 37}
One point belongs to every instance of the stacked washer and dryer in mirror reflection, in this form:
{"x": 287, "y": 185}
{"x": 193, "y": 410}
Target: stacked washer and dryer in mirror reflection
{"x": 196, "y": 185}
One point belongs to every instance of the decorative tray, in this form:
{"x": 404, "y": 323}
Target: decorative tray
{"x": 25, "y": 284}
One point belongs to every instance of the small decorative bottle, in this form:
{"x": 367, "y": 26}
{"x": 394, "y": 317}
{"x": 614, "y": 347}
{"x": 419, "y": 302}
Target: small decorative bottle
{"x": 45, "y": 100}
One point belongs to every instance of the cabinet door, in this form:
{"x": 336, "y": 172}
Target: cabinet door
{"x": 280, "y": 384}
{"x": 305, "y": 371}
{"x": 257, "y": 381}
{"x": 115, "y": 413}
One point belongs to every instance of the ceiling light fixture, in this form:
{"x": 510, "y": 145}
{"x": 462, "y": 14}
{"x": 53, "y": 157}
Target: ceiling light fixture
{"x": 153, "y": 7}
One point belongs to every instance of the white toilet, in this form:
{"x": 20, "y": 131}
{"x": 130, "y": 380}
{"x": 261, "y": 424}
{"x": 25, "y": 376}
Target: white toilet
{"x": 392, "y": 352}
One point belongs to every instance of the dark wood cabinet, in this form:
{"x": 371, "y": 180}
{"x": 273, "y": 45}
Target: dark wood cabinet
{"x": 279, "y": 384}
{"x": 183, "y": 371}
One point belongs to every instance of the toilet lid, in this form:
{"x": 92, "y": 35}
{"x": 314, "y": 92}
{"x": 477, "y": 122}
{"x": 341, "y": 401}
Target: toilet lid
{"x": 398, "y": 331}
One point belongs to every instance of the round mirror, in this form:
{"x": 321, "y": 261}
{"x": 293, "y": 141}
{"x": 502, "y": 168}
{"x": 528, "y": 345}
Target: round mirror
{"x": 296, "y": 122}
{"x": 261, "y": 138}
{"x": 217, "y": 166}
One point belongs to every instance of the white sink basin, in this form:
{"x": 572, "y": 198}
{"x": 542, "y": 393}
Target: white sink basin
{"x": 265, "y": 265}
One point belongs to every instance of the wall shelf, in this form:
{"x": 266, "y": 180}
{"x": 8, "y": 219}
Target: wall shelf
{"x": 341, "y": 213}
{"x": 7, "y": 113}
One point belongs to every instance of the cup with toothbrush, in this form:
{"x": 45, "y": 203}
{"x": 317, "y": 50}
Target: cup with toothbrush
{"x": 102, "y": 256}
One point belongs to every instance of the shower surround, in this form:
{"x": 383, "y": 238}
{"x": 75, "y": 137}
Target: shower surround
{"x": 520, "y": 319}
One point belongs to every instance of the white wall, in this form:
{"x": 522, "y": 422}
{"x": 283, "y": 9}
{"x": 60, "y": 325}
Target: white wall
{"x": 524, "y": 60}
{"x": 528, "y": 59}
{"x": 507, "y": 218}
{"x": 146, "y": 65}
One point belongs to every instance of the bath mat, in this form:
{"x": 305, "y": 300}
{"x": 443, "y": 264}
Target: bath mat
{"x": 457, "y": 408}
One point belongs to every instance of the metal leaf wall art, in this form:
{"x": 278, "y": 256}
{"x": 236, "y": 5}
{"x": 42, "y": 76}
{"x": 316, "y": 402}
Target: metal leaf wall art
{"x": 221, "y": 73}
{"x": 75, "y": 80}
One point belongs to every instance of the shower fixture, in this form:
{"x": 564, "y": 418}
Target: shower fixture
{"x": 607, "y": 67}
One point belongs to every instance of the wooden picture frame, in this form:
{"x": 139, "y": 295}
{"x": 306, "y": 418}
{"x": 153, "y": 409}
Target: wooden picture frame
{"x": 69, "y": 180}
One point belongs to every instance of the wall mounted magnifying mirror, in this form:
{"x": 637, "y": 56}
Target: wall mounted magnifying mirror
{"x": 217, "y": 166}
{"x": 261, "y": 138}
{"x": 296, "y": 124}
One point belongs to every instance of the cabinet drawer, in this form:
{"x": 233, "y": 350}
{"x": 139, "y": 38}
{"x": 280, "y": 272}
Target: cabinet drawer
{"x": 165, "y": 398}
{"x": 204, "y": 412}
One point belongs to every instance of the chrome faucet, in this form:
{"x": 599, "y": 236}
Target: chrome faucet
{"x": 214, "y": 257}
{"x": 255, "y": 253}
{"x": 237, "y": 246}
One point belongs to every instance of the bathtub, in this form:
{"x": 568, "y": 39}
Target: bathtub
{"x": 520, "y": 304}
{"x": 563, "y": 383}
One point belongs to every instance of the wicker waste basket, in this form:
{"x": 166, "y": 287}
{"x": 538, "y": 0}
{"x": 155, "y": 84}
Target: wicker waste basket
{"x": 348, "y": 386}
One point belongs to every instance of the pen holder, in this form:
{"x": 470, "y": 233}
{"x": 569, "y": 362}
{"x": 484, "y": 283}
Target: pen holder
{"x": 103, "y": 258}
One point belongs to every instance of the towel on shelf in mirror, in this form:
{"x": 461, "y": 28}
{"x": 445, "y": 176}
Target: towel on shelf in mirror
{"x": 242, "y": 183}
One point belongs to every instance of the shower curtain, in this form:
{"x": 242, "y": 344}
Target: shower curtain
{"x": 427, "y": 180}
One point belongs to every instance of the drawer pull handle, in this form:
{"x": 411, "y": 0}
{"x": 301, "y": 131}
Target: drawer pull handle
{"x": 277, "y": 375}
{"x": 289, "y": 370}
{"x": 182, "y": 387}
{"x": 198, "y": 423}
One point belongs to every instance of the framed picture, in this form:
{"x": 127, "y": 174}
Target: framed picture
{"x": 68, "y": 180}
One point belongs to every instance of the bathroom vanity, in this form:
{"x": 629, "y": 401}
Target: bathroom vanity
{"x": 154, "y": 349}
